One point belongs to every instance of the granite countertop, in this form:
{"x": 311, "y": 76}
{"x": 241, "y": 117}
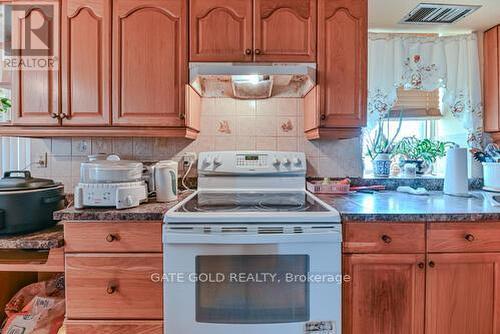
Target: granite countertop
{"x": 52, "y": 237}
{"x": 400, "y": 207}
{"x": 389, "y": 206}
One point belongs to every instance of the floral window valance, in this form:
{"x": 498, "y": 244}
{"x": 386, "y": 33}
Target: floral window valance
{"x": 427, "y": 63}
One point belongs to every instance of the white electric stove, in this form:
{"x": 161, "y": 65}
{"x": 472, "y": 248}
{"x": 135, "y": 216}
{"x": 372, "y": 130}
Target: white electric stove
{"x": 252, "y": 251}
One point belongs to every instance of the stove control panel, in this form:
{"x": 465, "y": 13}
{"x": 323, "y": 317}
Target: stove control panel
{"x": 248, "y": 162}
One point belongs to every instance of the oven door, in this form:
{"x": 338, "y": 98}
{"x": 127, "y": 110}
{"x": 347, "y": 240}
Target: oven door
{"x": 226, "y": 283}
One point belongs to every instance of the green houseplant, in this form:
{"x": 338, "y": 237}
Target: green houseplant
{"x": 5, "y": 105}
{"x": 422, "y": 152}
{"x": 380, "y": 147}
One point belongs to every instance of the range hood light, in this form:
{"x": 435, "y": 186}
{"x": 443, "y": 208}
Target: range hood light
{"x": 249, "y": 78}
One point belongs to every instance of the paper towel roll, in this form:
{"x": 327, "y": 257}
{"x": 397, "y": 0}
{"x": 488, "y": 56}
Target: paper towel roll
{"x": 456, "y": 181}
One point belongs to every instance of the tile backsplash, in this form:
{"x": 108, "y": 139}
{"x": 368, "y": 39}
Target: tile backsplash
{"x": 226, "y": 124}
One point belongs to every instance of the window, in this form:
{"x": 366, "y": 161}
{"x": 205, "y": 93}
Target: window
{"x": 14, "y": 154}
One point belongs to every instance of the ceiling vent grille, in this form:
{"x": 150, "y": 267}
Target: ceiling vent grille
{"x": 429, "y": 13}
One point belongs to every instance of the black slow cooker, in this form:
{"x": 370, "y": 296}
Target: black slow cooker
{"x": 27, "y": 203}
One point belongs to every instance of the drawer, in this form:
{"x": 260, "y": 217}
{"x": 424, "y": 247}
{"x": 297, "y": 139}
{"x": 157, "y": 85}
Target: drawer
{"x": 112, "y": 237}
{"x": 114, "y": 327}
{"x": 384, "y": 238}
{"x": 113, "y": 286}
{"x": 463, "y": 237}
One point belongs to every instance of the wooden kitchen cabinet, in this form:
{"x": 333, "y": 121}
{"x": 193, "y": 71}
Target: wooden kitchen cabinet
{"x": 491, "y": 82}
{"x": 114, "y": 326}
{"x": 462, "y": 294}
{"x": 221, "y": 30}
{"x": 253, "y": 30}
{"x": 285, "y": 30}
{"x": 336, "y": 108}
{"x": 86, "y": 60}
{"x": 386, "y": 294}
{"x": 35, "y": 93}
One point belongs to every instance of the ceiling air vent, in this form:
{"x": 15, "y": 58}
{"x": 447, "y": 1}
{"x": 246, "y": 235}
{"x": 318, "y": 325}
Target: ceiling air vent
{"x": 431, "y": 13}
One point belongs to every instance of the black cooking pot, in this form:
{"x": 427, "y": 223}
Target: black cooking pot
{"x": 27, "y": 203}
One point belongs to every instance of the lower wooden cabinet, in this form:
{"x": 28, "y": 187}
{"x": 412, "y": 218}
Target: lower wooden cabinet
{"x": 462, "y": 295}
{"x": 452, "y": 288}
{"x": 114, "y": 327}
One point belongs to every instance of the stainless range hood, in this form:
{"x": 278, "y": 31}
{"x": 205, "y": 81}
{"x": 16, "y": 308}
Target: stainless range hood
{"x": 252, "y": 80}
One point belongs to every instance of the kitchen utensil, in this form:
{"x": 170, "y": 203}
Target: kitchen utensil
{"x": 27, "y": 203}
{"x": 493, "y": 150}
{"x": 165, "y": 180}
{"x": 456, "y": 181}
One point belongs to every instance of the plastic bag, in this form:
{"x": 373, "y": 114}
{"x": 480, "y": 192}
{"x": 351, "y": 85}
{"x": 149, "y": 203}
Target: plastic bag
{"x": 37, "y": 308}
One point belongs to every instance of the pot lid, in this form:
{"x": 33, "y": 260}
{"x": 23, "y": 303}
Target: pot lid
{"x": 22, "y": 180}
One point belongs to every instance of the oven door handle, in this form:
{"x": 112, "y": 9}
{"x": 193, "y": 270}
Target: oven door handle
{"x": 251, "y": 239}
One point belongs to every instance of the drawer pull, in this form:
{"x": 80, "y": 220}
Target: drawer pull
{"x": 258, "y": 52}
{"x": 111, "y": 288}
{"x": 470, "y": 237}
{"x": 421, "y": 265}
{"x": 248, "y": 52}
{"x": 432, "y": 264}
{"x": 387, "y": 239}
{"x": 111, "y": 238}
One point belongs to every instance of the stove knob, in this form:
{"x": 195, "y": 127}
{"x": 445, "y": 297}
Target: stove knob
{"x": 276, "y": 162}
{"x": 297, "y": 162}
{"x": 217, "y": 162}
{"x": 206, "y": 163}
{"x": 286, "y": 162}
{"x": 129, "y": 200}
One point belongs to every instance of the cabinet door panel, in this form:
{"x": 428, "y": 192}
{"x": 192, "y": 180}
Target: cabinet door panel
{"x": 491, "y": 81}
{"x": 285, "y": 30}
{"x": 385, "y": 295}
{"x": 35, "y": 92}
{"x": 462, "y": 295}
{"x": 150, "y": 67}
{"x": 86, "y": 31}
{"x": 342, "y": 62}
{"x": 221, "y": 30}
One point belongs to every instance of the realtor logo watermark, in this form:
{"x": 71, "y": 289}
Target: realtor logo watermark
{"x": 34, "y": 37}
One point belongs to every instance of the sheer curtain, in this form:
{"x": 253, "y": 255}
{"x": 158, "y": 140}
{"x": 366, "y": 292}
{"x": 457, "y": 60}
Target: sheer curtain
{"x": 14, "y": 153}
{"x": 427, "y": 63}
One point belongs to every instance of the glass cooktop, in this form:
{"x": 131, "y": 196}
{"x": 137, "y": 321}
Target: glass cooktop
{"x": 252, "y": 202}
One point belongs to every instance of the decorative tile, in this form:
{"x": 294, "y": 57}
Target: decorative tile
{"x": 223, "y": 127}
{"x": 81, "y": 146}
{"x": 287, "y": 126}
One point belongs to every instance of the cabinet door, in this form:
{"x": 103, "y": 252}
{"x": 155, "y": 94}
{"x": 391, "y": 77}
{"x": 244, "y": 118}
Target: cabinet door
{"x": 462, "y": 294}
{"x": 285, "y": 30}
{"x": 385, "y": 294}
{"x": 150, "y": 62}
{"x": 221, "y": 30}
{"x": 342, "y": 62}
{"x": 491, "y": 81}
{"x": 35, "y": 91}
{"x": 86, "y": 49}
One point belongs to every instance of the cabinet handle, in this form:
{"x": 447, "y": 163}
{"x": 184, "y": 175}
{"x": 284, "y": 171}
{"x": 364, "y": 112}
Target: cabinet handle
{"x": 111, "y": 237}
{"x": 387, "y": 239}
{"x": 258, "y": 52}
{"x": 323, "y": 117}
{"x": 182, "y": 115}
{"x": 55, "y": 115}
{"x": 432, "y": 264}
{"x": 470, "y": 237}
{"x": 421, "y": 265}
{"x": 248, "y": 52}
{"x": 63, "y": 116}
{"x": 112, "y": 288}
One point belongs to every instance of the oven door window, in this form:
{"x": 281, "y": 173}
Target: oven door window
{"x": 252, "y": 289}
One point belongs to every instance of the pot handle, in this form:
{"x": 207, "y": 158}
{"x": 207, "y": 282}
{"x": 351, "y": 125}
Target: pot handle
{"x": 26, "y": 173}
{"x": 2, "y": 219}
{"x": 52, "y": 199}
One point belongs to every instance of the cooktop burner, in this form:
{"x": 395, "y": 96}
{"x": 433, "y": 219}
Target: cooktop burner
{"x": 252, "y": 202}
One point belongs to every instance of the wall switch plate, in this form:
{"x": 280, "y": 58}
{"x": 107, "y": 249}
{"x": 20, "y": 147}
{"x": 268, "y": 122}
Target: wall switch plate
{"x": 42, "y": 161}
{"x": 188, "y": 158}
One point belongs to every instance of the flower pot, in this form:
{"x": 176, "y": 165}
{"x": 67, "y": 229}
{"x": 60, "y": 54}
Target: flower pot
{"x": 382, "y": 165}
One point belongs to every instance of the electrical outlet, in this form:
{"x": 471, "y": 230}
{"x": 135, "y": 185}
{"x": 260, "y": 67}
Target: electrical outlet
{"x": 42, "y": 161}
{"x": 187, "y": 159}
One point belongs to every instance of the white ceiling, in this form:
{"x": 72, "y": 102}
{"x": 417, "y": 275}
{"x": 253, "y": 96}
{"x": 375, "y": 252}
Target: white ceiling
{"x": 384, "y": 16}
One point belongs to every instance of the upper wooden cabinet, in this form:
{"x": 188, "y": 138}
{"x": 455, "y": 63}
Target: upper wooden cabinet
{"x": 253, "y": 30}
{"x": 337, "y": 108}
{"x": 285, "y": 30}
{"x": 150, "y": 62}
{"x": 35, "y": 92}
{"x": 491, "y": 82}
{"x": 86, "y": 60}
{"x": 221, "y": 30}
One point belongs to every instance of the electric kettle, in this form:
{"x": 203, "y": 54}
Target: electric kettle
{"x": 165, "y": 180}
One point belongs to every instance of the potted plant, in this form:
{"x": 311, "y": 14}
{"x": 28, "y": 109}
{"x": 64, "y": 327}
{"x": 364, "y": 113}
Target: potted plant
{"x": 5, "y": 105}
{"x": 421, "y": 152}
{"x": 380, "y": 148}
